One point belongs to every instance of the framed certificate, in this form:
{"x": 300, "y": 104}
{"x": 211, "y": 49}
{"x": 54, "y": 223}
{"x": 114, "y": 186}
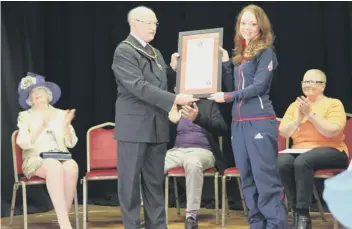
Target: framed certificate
{"x": 200, "y": 66}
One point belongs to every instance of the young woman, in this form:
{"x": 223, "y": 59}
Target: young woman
{"x": 254, "y": 125}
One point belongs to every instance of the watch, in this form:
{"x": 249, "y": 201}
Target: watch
{"x": 311, "y": 116}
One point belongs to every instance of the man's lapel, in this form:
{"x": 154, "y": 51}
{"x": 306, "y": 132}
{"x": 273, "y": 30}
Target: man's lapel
{"x": 154, "y": 59}
{"x": 139, "y": 47}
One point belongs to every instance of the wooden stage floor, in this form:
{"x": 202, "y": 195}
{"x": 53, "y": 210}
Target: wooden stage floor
{"x": 110, "y": 217}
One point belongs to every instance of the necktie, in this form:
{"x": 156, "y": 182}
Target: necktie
{"x": 149, "y": 50}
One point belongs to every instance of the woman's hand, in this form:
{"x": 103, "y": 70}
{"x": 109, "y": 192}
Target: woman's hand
{"x": 300, "y": 115}
{"x": 68, "y": 116}
{"x": 218, "y": 97}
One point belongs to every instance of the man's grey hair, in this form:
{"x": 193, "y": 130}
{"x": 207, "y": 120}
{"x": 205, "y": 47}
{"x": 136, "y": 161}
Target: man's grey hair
{"x": 137, "y": 10}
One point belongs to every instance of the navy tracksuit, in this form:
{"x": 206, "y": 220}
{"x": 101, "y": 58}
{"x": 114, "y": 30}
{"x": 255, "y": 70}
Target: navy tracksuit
{"x": 254, "y": 138}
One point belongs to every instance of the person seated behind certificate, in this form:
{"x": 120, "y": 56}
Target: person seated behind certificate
{"x": 195, "y": 148}
{"x": 43, "y": 128}
{"x": 314, "y": 122}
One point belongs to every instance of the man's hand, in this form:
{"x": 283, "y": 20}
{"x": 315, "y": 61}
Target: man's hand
{"x": 184, "y": 99}
{"x": 174, "y": 61}
{"x": 225, "y": 55}
{"x": 189, "y": 112}
{"x": 218, "y": 97}
{"x": 174, "y": 114}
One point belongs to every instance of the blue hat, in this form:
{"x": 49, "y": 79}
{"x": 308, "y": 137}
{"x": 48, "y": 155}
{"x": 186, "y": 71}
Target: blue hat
{"x": 338, "y": 196}
{"x": 32, "y": 81}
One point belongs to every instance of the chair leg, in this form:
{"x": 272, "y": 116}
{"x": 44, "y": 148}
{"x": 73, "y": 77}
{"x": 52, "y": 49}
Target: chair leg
{"x": 320, "y": 206}
{"x": 24, "y": 197}
{"x": 216, "y": 191}
{"x": 76, "y": 211}
{"x": 223, "y": 204}
{"x": 336, "y": 224}
{"x": 245, "y": 209}
{"x": 142, "y": 204}
{"x": 87, "y": 193}
{"x": 176, "y": 197}
{"x": 85, "y": 197}
{"x": 140, "y": 192}
{"x": 286, "y": 203}
{"x": 13, "y": 203}
{"x": 166, "y": 198}
{"x": 227, "y": 204}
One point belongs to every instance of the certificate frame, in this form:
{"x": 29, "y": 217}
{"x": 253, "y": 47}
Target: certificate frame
{"x": 214, "y": 86}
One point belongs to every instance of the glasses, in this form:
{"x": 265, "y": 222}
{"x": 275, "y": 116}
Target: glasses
{"x": 148, "y": 22}
{"x": 312, "y": 82}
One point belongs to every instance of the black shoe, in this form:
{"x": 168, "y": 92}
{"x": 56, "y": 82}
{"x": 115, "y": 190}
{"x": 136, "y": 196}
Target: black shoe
{"x": 191, "y": 223}
{"x": 294, "y": 219}
{"x": 304, "y": 222}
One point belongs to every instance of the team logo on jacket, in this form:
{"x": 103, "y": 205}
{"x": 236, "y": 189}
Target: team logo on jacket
{"x": 270, "y": 66}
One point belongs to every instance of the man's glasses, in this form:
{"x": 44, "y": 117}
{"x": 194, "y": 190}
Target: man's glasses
{"x": 149, "y": 22}
{"x": 312, "y": 82}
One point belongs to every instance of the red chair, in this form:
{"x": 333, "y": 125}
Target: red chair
{"x": 234, "y": 172}
{"x": 180, "y": 172}
{"x": 23, "y": 182}
{"x": 328, "y": 173}
{"x": 101, "y": 159}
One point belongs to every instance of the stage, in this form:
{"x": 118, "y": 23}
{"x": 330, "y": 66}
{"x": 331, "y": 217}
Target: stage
{"x": 110, "y": 217}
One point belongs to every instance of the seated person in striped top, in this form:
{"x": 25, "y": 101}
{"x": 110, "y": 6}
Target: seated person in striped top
{"x": 195, "y": 148}
{"x": 314, "y": 122}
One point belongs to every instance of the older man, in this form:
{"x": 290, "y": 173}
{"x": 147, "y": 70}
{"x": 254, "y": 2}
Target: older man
{"x": 141, "y": 118}
{"x": 196, "y": 149}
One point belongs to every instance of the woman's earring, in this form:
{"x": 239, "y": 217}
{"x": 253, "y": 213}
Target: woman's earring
{"x": 28, "y": 101}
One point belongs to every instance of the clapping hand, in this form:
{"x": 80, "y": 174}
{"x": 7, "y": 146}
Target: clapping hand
{"x": 69, "y": 115}
{"x": 46, "y": 119}
{"x": 174, "y": 114}
{"x": 190, "y": 112}
{"x": 304, "y": 105}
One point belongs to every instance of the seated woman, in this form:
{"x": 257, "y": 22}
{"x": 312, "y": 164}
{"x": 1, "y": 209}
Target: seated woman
{"x": 314, "y": 122}
{"x": 43, "y": 128}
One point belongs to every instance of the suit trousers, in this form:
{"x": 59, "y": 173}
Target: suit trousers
{"x": 195, "y": 161}
{"x": 141, "y": 163}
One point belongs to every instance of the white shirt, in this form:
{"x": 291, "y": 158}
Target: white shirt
{"x": 143, "y": 43}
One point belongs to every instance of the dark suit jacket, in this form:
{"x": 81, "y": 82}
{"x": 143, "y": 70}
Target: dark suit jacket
{"x": 211, "y": 120}
{"x": 143, "y": 100}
